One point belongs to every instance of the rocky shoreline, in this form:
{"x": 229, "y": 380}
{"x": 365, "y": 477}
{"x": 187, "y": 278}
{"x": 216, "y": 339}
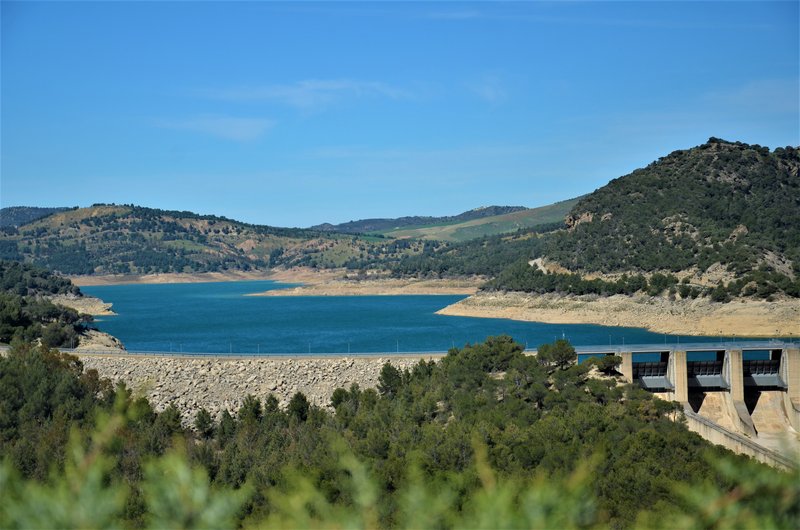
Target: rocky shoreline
{"x": 379, "y": 287}
{"x": 690, "y": 317}
{"x": 88, "y": 305}
{"x": 170, "y": 277}
{"x": 218, "y": 383}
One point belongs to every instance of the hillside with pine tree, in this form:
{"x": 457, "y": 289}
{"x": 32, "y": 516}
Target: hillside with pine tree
{"x": 721, "y": 219}
{"x": 128, "y": 239}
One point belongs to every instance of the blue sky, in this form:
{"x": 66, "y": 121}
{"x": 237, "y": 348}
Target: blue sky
{"x": 293, "y": 114}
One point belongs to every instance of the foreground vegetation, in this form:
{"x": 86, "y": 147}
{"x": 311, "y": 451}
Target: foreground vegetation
{"x": 486, "y": 437}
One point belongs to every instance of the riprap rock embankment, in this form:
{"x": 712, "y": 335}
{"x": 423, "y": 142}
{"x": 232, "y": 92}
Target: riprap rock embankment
{"x": 219, "y": 383}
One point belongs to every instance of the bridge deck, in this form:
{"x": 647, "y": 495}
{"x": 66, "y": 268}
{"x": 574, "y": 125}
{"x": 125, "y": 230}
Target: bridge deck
{"x": 687, "y": 347}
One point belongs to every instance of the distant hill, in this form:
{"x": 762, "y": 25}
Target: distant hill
{"x": 19, "y": 215}
{"x": 365, "y": 226}
{"x": 722, "y": 218}
{"x": 489, "y": 225}
{"x": 127, "y": 239}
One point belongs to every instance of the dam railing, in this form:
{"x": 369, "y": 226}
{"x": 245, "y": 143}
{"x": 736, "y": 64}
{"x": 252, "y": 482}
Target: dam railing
{"x": 248, "y": 355}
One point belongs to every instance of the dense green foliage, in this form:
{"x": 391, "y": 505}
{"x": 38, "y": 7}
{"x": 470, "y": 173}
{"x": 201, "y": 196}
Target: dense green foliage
{"x": 29, "y": 318}
{"x": 27, "y": 280}
{"x": 25, "y": 312}
{"x": 43, "y": 394}
{"x": 522, "y": 277}
{"x": 485, "y": 437}
{"x": 760, "y": 283}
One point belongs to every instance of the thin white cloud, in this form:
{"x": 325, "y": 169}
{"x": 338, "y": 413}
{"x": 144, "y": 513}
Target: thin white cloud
{"x": 490, "y": 89}
{"x": 453, "y": 153}
{"x": 455, "y": 15}
{"x": 226, "y": 127}
{"x": 308, "y": 93}
{"x": 548, "y": 13}
{"x": 781, "y": 96}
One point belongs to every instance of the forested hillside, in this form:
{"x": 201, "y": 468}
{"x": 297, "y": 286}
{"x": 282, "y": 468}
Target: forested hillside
{"x": 721, "y": 202}
{"x": 487, "y": 437}
{"x": 486, "y": 256}
{"x": 127, "y": 239}
{"x": 725, "y": 207}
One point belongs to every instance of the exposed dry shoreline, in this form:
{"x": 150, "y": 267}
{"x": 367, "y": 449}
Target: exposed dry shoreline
{"x": 387, "y": 286}
{"x": 315, "y": 282}
{"x": 690, "y": 317}
{"x": 171, "y": 277}
{"x": 89, "y": 305}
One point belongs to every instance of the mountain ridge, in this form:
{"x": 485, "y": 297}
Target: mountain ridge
{"x": 129, "y": 239}
{"x": 126, "y": 239}
{"x": 362, "y": 226}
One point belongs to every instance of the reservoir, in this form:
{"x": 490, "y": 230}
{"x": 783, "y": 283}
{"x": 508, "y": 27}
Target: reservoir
{"x": 219, "y": 318}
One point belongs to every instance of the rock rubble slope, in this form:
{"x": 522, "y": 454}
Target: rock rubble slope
{"x": 217, "y": 383}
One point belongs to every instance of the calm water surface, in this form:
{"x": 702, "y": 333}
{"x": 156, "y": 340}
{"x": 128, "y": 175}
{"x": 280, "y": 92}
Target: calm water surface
{"x": 218, "y": 318}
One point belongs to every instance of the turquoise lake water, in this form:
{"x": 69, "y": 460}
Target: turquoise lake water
{"x": 218, "y": 318}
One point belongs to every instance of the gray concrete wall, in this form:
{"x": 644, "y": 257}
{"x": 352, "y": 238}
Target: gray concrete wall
{"x": 626, "y": 368}
{"x": 678, "y": 376}
{"x": 737, "y": 443}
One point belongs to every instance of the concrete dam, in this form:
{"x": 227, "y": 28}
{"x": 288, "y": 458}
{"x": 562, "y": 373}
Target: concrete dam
{"x": 742, "y": 395}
